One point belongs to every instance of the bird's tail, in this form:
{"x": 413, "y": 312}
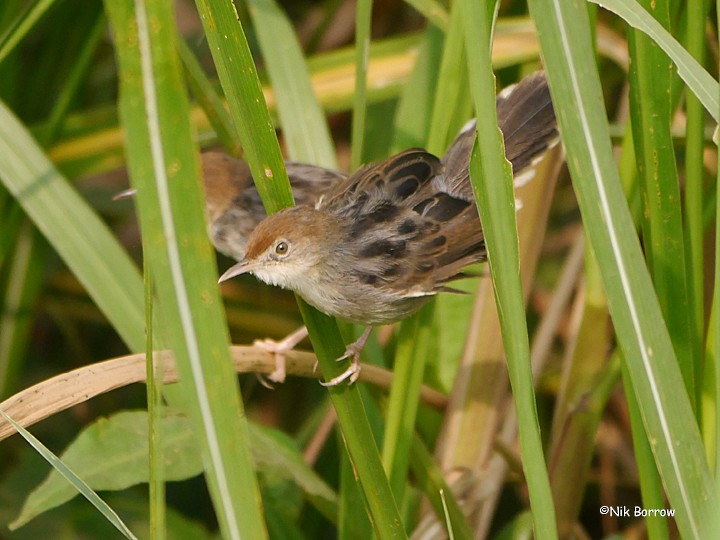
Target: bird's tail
{"x": 527, "y": 120}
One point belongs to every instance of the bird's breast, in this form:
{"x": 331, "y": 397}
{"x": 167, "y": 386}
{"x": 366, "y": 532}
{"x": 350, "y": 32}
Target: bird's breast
{"x": 361, "y": 303}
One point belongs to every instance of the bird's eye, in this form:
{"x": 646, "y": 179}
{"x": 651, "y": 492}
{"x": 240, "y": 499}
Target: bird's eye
{"x": 281, "y": 248}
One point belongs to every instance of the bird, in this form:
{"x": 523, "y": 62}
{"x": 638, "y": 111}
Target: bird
{"x": 381, "y": 243}
{"x": 234, "y": 208}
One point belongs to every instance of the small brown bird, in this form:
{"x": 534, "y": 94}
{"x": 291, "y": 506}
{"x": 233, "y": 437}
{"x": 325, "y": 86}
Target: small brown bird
{"x": 377, "y": 246}
{"x": 234, "y": 209}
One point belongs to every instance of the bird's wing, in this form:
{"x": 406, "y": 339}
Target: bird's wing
{"x": 407, "y": 236}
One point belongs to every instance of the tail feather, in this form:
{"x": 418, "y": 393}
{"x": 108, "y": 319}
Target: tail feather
{"x": 527, "y": 120}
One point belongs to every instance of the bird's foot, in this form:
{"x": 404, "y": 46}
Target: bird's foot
{"x": 352, "y": 352}
{"x": 279, "y": 349}
{"x": 351, "y": 373}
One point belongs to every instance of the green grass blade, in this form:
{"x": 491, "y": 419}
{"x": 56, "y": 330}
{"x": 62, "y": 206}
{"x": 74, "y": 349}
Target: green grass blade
{"x": 304, "y": 126}
{"x": 356, "y": 431}
{"x": 24, "y": 278}
{"x": 412, "y": 117}
{"x": 209, "y": 100}
{"x": 641, "y": 330}
{"x": 415, "y": 336}
{"x": 155, "y": 437}
{"x": 698, "y": 80}
{"x": 694, "y": 175}
{"x": 27, "y": 269}
{"x": 650, "y": 483}
{"x": 75, "y": 78}
{"x": 587, "y": 382}
{"x": 433, "y": 11}
{"x": 244, "y": 95}
{"x": 164, "y": 168}
{"x": 351, "y": 524}
{"x": 73, "y": 229}
{"x": 22, "y": 26}
{"x": 452, "y": 96}
{"x": 363, "y": 19}
{"x": 274, "y": 451}
{"x": 245, "y": 99}
{"x": 711, "y": 389}
{"x": 308, "y": 141}
{"x": 430, "y": 480}
{"x": 650, "y": 108}
{"x": 714, "y": 331}
{"x": 72, "y": 478}
{"x": 414, "y": 343}
{"x": 491, "y": 178}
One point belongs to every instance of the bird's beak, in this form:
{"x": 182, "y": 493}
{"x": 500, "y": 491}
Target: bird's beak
{"x": 243, "y": 267}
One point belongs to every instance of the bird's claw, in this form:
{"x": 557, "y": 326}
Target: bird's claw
{"x": 352, "y": 352}
{"x": 351, "y": 374}
{"x": 279, "y": 349}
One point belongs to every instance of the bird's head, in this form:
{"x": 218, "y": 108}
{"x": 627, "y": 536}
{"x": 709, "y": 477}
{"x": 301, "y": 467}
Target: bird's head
{"x": 286, "y": 247}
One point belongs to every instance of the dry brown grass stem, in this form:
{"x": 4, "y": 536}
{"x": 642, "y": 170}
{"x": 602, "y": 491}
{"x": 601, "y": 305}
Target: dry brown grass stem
{"x": 63, "y": 391}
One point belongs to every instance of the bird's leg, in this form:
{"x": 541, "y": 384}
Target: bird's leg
{"x": 279, "y": 349}
{"x": 353, "y": 353}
